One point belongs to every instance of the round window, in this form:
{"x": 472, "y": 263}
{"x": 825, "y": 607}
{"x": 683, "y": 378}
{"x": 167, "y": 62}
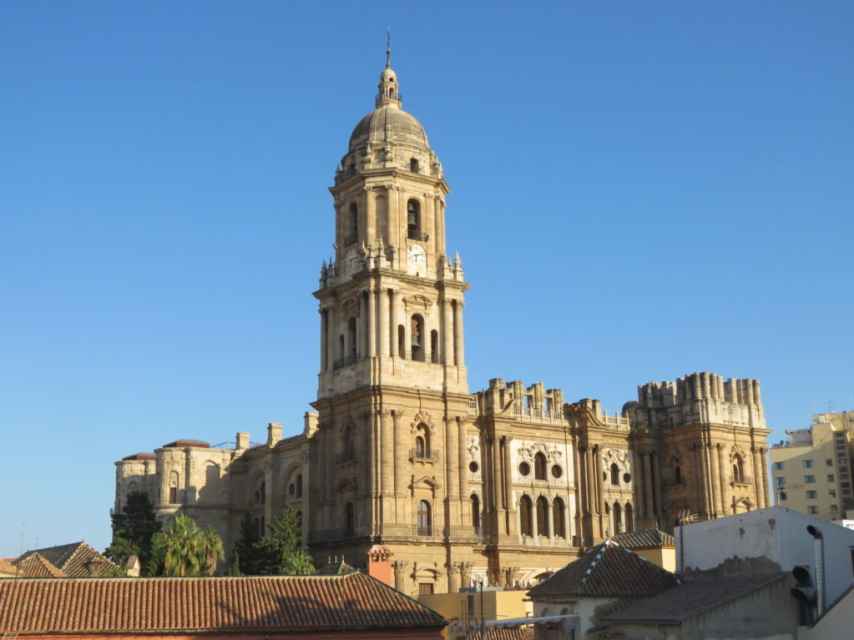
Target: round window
{"x": 557, "y": 472}
{"x": 627, "y": 477}
{"x": 524, "y": 468}
{"x": 473, "y": 467}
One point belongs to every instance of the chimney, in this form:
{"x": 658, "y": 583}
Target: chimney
{"x": 274, "y": 434}
{"x": 379, "y": 565}
{"x": 242, "y": 440}
{"x": 309, "y": 424}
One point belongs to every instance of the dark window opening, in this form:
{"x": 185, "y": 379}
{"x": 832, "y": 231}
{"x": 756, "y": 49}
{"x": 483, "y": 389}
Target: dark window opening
{"x": 615, "y": 475}
{"x": 559, "y": 518}
{"x": 401, "y": 341}
{"x": 526, "y": 520}
{"x": 354, "y": 223}
{"x": 413, "y": 165}
{"x": 418, "y": 338}
{"x": 425, "y": 520}
{"x": 542, "y": 516}
{"x": 351, "y": 337}
{"x": 475, "y": 513}
{"x": 540, "y": 466}
{"x": 413, "y": 220}
{"x": 434, "y": 346}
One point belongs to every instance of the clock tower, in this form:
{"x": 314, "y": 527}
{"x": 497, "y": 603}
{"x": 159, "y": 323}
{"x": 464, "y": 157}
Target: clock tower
{"x": 392, "y": 400}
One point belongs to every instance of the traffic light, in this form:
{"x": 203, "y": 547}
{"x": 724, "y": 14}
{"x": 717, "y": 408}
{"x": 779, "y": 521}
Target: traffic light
{"x": 806, "y": 593}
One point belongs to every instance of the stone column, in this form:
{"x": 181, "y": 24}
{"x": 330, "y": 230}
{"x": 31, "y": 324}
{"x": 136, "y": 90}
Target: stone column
{"x": 757, "y": 481}
{"x": 370, "y": 326}
{"x": 393, "y": 322}
{"x": 637, "y": 485}
{"x": 459, "y": 335}
{"x": 387, "y": 453}
{"x": 399, "y": 567}
{"x": 647, "y": 486}
{"x": 448, "y": 332}
{"x": 713, "y": 499}
{"x": 331, "y": 331}
{"x": 400, "y": 458}
{"x": 370, "y": 216}
{"x": 382, "y": 322}
{"x": 721, "y": 480}
{"x": 324, "y": 338}
{"x": 452, "y": 467}
{"x": 394, "y": 225}
{"x": 656, "y": 495}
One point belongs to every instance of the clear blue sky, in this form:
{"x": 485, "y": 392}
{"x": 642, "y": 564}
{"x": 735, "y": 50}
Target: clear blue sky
{"x": 638, "y": 191}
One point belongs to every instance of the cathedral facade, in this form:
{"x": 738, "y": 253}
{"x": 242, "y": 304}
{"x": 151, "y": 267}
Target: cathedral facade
{"x": 401, "y": 458}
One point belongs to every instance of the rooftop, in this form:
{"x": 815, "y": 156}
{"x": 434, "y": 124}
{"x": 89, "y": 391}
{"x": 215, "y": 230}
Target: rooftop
{"x": 607, "y": 570}
{"x": 266, "y": 604}
{"x": 644, "y": 539}
{"x": 74, "y": 560}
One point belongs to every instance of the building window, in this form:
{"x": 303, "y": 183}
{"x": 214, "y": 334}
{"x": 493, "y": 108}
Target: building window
{"x": 413, "y": 165}
{"x": 351, "y": 336}
{"x": 783, "y": 496}
{"x": 401, "y": 341}
{"x": 524, "y": 468}
{"x": 418, "y": 338}
{"x": 831, "y": 493}
{"x": 526, "y": 519}
{"x": 557, "y": 472}
{"x": 354, "y": 223}
{"x": 473, "y": 467}
{"x": 807, "y": 464}
{"x": 542, "y": 516}
{"x": 540, "y": 466}
{"x": 422, "y": 441}
{"x": 678, "y": 474}
{"x": 831, "y": 477}
{"x": 413, "y": 220}
{"x": 615, "y": 474}
{"x": 829, "y": 462}
{"x": 778, "y": 466}
{"x": 425, "y": 520}
{"x": 630, "y": 523}
{"x": 434, "y": 346}
{"x": 559, "y": 518}
{"x": 812, "y": 510}
{"x": 425, "y": 588}
{"x": 173, "y": 487}
{"x": 809, "y": 479}
{"x": 618, "y": 518}
{"x": 475, "y": 513}
{"x": 737, "y": 469}
{"x": 349, "y": 519}
{"x": 811, "y": 495}
{"x": 781, "y": 482}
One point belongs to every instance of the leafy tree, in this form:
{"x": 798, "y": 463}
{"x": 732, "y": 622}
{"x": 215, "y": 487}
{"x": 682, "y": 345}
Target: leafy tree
{"x": 184, "y": 549}
{"x": 133, "y": 530}
{"x": 245, "y": 558}
{"x": 280, "y": 551}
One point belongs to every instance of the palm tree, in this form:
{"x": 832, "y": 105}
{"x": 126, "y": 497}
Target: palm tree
{"x": 184, "y": 549}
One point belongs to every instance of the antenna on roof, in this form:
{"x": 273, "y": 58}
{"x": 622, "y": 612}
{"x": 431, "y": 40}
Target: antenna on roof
{"x": 388, "y": 48}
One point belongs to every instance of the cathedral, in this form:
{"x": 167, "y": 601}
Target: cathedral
{"x": 400, "y": 458}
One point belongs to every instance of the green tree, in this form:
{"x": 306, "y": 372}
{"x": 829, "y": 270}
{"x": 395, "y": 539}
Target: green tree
{"x": 133, "y": 529}
{"x": 245, "y": 557}
{"x": 280, "y": 551}
{"x": 184, "y": 549}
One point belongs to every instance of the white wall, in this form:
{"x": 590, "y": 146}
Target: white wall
{"x": 776, "y": 533}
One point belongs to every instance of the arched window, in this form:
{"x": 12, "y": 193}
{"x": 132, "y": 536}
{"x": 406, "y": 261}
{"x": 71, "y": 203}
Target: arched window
{"x": 434, "y": 346}
{"x": 559, "y": 518}
{"x": 173, "y": 487}
{"x": 737, "y": 468}
{"x": 618, "y": 518}
{"x": 422, "y": 441}
{"x": 401, "y": 341}
{"x": 425, "y": 519}
{"x": 413, "y": 220}
{"x": 615, "y": 474}
{"x": 349, "y": 519}
{"x": 353, "y": 223}
{"x": 299, "y": 485}
{"x": 526, "y": 516}
{"x": 413, "y": 165}
{"x": 418, "y": 338}
{"x": 630, "y": 523}
{"x": 351, "y": 336}
{"x": 540, "y": 466}
{"x": 475, "y": 513}
{"x": 542, "y": 516}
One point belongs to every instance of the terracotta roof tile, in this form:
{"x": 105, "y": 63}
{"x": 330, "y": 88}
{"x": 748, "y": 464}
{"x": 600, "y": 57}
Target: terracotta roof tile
{"x": 76, "y": 560}
{"x": 607, "y": 570}
{"x": 268, "y": 603}
{"x": 504, "y": 633}
{"x": 644, "y": 539}
{"x": 36, "y": 565}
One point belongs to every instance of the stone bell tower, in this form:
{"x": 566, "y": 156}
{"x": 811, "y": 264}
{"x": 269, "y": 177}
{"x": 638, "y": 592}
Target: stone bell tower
{"x": 393, "y": 398}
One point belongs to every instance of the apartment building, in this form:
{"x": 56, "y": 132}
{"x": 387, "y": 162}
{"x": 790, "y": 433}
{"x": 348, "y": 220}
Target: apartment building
{"x": 812, "y": 470}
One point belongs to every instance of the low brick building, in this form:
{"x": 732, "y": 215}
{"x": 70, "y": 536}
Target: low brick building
{"x": 268, "y": 607}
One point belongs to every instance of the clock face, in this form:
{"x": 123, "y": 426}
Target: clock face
{"x": 417, "y": 259}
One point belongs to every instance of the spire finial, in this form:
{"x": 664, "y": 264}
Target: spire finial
{"x": 388, "y": 48}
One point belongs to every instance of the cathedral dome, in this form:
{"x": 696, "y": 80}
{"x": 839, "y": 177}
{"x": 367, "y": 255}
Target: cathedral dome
{"x": 388, "y": 124}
